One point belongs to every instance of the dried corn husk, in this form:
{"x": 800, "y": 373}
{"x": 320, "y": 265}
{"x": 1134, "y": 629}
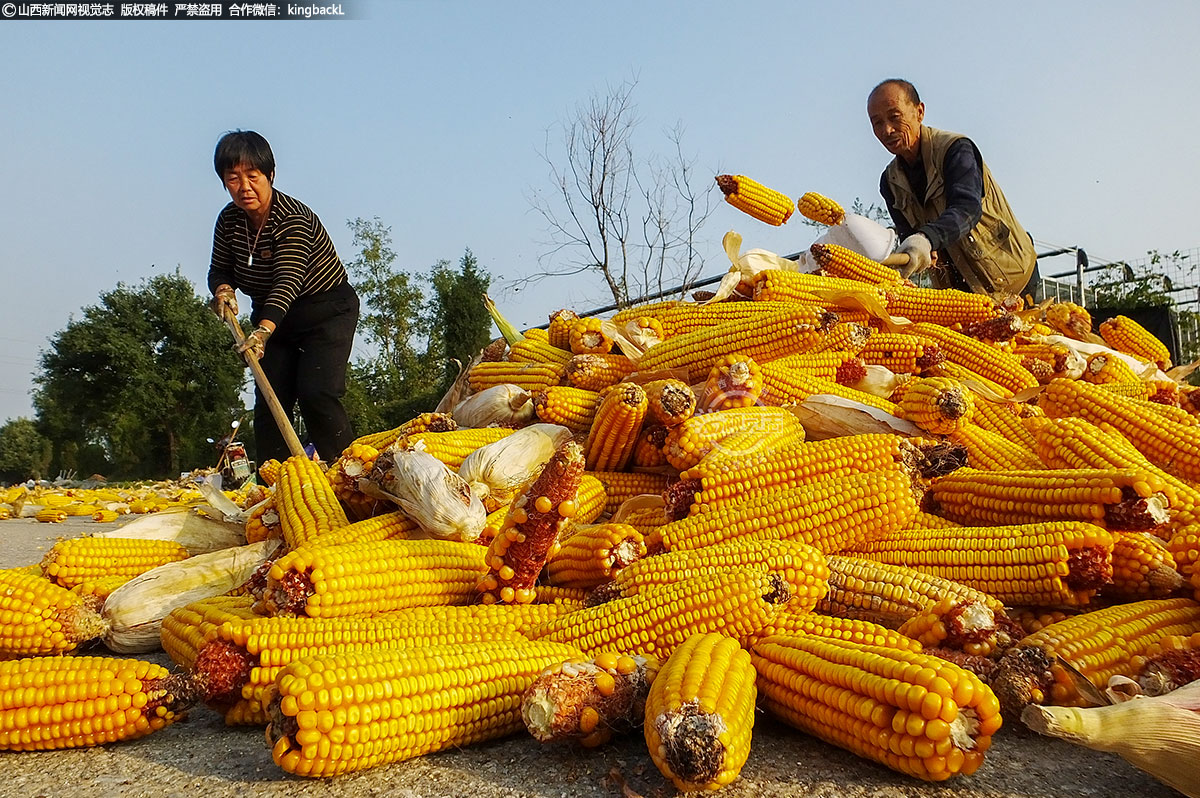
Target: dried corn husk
{"x": 500, "y": 404}
{"x": 196, "y": 533}
{"x": 497, "y": 471}
{"x": 826, "y": 416}
{"x": 1160, "y": 735}
{"x": 136, "y": 609}
{"x": 880, "y": 381}
{"x": 439, "y": 500}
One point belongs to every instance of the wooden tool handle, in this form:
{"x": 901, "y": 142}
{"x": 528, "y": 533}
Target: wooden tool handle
{"x": 264, "y": 386}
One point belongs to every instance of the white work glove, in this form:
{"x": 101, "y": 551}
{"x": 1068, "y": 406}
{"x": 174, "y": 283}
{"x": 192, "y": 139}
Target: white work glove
{"x": 224, "y": 297}
{"x": 255, "y": 342}
{"x": 920, "y": 254}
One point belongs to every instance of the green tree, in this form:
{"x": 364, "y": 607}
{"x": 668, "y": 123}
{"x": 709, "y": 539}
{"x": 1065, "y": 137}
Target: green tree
{"x": 24, "y": 452}
{"x": 460, "y": 313}
{"x": 146, "y": 375}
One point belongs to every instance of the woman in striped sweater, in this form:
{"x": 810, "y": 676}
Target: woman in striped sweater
{"x": 273, "y": 248}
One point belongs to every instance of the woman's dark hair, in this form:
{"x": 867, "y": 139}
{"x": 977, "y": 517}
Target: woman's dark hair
{"x": 243, "y": 146}
{"x": 909, "y": 89}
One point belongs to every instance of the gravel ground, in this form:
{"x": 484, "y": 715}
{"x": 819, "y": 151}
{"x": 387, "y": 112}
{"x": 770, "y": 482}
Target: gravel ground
{"x": 202, "y": 757}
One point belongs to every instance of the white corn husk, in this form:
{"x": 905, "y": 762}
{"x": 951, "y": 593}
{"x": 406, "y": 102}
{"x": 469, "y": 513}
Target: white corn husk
{"x": 880, "y": 381}
{"x": 1160, "y": 735}
{"x": 497, "y": 471}
{"x": 135, "y": 611}
{"x": 220, "y": 506}
{"x": 1145, "y": 371}
{"x": 500, "y": 404}
{"x": 196, "y": 533}
{"x": 439, "y": 500}
{"x": 825, "y": 416}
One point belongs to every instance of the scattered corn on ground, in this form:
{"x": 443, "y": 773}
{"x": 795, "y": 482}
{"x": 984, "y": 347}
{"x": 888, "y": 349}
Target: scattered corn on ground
{"x": 857, "y": 589}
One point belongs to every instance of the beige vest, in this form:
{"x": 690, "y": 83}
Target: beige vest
{"x": 997, "y": 256}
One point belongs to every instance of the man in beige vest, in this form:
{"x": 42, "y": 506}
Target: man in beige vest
{"x": 949, "y": 212}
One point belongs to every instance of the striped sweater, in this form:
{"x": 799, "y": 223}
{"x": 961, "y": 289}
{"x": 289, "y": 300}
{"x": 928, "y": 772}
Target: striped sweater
{"x": 294, "y": 257}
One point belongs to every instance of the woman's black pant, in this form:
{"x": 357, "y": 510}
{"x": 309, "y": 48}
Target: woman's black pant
{"x": 305, "y": 362}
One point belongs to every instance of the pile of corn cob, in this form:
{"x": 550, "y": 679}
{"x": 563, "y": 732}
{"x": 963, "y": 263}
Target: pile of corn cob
{"x": 1014, "y": 523}
{"x": 52, "y": 504}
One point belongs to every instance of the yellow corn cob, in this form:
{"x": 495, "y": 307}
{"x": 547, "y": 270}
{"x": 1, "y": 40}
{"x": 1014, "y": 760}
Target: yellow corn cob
{"x": 529, "y": 350}
{"x": 1098, "y": 645}
{"x": 1045, "y": 564}
{"x": 681, "y": 318}
{"x": 968, "y": 627}
{"x": 537, "y": 334}
{"x": 100, "y": 587}
{"x": 452, "y": 448}
{"x": 530, "y": 377}
{"x": 820, "y": 208}
{"x": 923, "y": 520}
{"x": 801, "y": 566}
{"x": 689, "y": 442}
{"x": 1035, "y": 619}
{"x": 1164, "y": 392}
{"x": 51, "y": 515}
{"x": 762, "y": 338}
{"x": 587, "y": 337}
{"x": 669, "y": 402}
{"x": 903, "y": 354}
{"x": 426, "y": 422}
{"x": 241, "y": 658}
{"x": 590, "y": 501}
{"x": 263, "y": 522}
{"x": 362, "y": 731}
{"x": 72, "y": 562}
{"x": 588, "y": 700}
{"x": 843, "y": 337}
{"x": 791, "y": 621}
{"x": 105, "y": 516}
{"x": 307, "y": 505}
{"x": 368, "y": 578}
{"x": 1003, "y": 419}
{"x": 993, "y": 452}
{"x": 1126, "y": 335}
{"x": 648, "y": 451}
{"x": 73, "y": 702}
{"x": 1135, "y": 499}
{"x": 356, "y": 461}
{"x": 1103, "y": 368}
{"x": 79, "y": 509}
{"x": 614, "y": 431}
{"x": 753, "y": 198}
{"x": 656, "y": 621}
{"x": 1165, "y": 442}
{"x": 530, "y": 532}
{"x": 784, "y": 385}
{"x": 589, "y": 555}
{"x": 620, "y": 485}
{"x": 43, "y": 618}
{"x": 387, "y": 526}
{"x": 735, "y": 381}
{"x": 597, "y": 372}
{"x": 1142, "y": 568}
{"x": 846, "y": 368}
{"x": 913, "y": 712}
{"x": 777, "y": 285}
{"x": 838, "y": 261}
{"x": 568, "y": 599}
{"x": 890, "y": 595}
{"x": 1167, "y": 664}
{"x": 559, "y": 332}
{"x": 710, "y": 486}
{"x": 944, "y": 306}
{"x": 573, "y": 408}
{"x": 751, "y": 443}
{"x": 1070, "y": 319}
{"x": 983, "y": 358}
{"x": 937, "y": 404}
{"x": 830, "y": 515}
{"x": 700, "y": 713}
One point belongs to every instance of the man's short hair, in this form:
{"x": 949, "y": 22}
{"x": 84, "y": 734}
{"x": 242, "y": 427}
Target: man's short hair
{"x": 243, "y": 147}
{"x": 909, "y": 89}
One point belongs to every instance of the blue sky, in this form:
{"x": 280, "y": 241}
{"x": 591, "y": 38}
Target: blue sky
{"x": 431, "y": 116}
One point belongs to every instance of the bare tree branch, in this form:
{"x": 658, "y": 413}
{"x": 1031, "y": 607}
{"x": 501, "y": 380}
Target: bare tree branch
{"x": 600, "y": 189}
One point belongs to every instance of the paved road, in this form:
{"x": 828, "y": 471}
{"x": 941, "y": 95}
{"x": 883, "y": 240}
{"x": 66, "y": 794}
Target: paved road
{"x": 203, "y": 757}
